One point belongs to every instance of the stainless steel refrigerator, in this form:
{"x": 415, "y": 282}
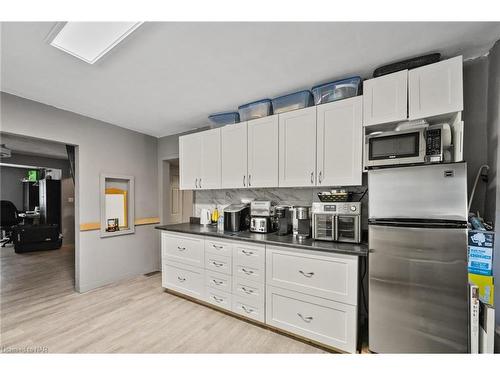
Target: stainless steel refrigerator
{"x": 418, "y": 259}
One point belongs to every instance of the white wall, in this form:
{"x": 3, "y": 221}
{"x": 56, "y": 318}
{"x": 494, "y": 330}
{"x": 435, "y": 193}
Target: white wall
{"x": 102, "y": 147}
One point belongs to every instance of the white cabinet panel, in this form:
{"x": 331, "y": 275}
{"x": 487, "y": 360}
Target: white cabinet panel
{"x": 210, "y": 160}
{"x": 182, "y": 248}
{"x": 234, "y": 156}
{"x": 218, "y": 298}
{"x": 249, "y": 308}
{"x": 324, "y": 321}
{"x": 340, "y": 143}
{"x": 297, "y": 148}
{"x": 436, "y": 89}
{"x": 189, "y": 161}
{"x": 185, "y": 279}
{"x": 334, "y": 277}
{"x": 385, "y": 98}
{"x": 263, "y": 152}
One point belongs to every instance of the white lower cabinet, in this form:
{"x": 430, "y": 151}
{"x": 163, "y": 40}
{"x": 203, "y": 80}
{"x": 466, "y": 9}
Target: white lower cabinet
{"x": 311, "y": 294}
{"x": 325, "y": 321}
{"x": 249, "y": 308}
{"x": 184, "y": 279}
{"x": 218, "y": 298}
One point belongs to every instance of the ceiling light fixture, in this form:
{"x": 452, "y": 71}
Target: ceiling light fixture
{"x": 89, "y": 41}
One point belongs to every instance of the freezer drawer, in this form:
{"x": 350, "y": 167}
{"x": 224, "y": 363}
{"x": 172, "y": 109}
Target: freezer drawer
{"x": 435, "y": 192}
{"x": 417, "y": 290}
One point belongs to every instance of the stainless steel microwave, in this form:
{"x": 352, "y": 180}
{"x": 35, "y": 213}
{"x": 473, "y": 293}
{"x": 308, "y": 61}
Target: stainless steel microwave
{"x": 395, "y": 147}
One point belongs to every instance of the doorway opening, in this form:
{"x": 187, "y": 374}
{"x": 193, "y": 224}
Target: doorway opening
{"x": 177, "y": 205}
{"x": 38, "y": 221}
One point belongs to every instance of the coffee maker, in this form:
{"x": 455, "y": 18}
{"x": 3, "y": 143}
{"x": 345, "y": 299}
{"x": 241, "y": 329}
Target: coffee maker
{"x": 302, "y": 223}
{"x": 262, "y": 217}
{"x": 284, "y": 221}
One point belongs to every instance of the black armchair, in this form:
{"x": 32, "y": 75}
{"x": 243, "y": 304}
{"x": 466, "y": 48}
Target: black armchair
{"x": 9, "y": 219}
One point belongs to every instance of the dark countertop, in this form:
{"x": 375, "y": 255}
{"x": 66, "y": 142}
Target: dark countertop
{"x": 270, "y": 239}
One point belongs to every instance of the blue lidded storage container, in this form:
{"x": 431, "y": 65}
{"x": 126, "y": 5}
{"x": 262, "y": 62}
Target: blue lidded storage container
{"x": 224, "y": 118}
{"x": 337, "y": 90}
{"x": 258, "y": 109}
{"x": 290, "y": 102}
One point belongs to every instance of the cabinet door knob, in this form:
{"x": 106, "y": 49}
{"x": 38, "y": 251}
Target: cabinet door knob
{"x": 217, "y": 282}
{"x": 247, "y": 253}
{"x": 306, "y": 319}
{"x": 181, "y": 279}
{"x": 249, "y": 180}
{"x": 247, "y": 291}
{"x": 320, "y": 177}
{"x": 195, "y": 182}
{"x": 216, "y": 264}
{"x": 312, "y": 178}
{"x": 181, "y": 248}
{"x": 199, "y": 183}
{"x": 244, "y": 180}
{"x": 218, "y": 300}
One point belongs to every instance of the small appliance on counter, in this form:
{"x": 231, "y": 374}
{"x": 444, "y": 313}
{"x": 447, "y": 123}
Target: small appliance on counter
{"x": 284, "y": 220}
{"x": 303, "y": 222}
{"x": 337, "y": 221}
{"x": 236, "y": 217}
{"x": 205, "y": 217}
{"x": 262, "y": 216}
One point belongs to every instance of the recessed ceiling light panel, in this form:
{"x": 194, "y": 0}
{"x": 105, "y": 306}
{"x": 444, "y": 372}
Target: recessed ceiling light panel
{"x": 89, "y": 41}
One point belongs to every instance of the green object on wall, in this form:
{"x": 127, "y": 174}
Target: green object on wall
{"x": 33, "y": 175}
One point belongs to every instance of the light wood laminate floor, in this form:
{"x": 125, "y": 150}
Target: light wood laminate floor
{"x": 39, "y": 308}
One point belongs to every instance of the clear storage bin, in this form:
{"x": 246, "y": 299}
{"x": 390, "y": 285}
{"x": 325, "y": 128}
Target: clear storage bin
{"x": 224, "y": 118}
{"x": 290, "y": 102}
{"x": 342, "y": 89}
{"x": 258, "y": 109}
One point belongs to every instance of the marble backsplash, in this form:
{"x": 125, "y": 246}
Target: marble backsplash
{"x": 290, "y": 196}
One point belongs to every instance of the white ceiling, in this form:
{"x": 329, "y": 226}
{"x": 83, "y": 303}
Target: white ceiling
{"x": 166, "y": 78}
{"x": 33, "y": 146}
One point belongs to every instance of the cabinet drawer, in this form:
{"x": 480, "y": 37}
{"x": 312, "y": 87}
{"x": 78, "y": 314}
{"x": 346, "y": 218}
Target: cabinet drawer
{"x": 184, "y": 279}
{"x": 328, "y": 322}
{"x": 219, "y": 247}
{"x": 218, "y": 298}
{"x": 218, "y": 281}
{"x": 248, "y": 289}
{"x": 218, "y": 263}
{"x": 329, "y": 276}
{"x": 182, "y": 249}
{"x": 251, "y": 273}
{"x": 249, "y": 308}
{"x": 249, "y": 255}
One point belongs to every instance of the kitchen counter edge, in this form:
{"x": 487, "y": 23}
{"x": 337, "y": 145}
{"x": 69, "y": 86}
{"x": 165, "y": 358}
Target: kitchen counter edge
{"x": 269, "y": 239}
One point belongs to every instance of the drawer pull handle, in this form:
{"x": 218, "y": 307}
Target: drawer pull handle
{"x": 181, "y": 279}
{"x": 247, "y": 310}
{"x": 248, "y": 272}
{"x": 306, "y": 319}
{"x": 218, "y": 300}
{"x": 216, "y": 264}
{"x": 217, "y": 247}
{"x": 247, "y": 253}
{"x": 247, "y": 291}
{"x": 217, "y": 282}
{"x": 306, "y": 274}
{"x": 181, "y": 248}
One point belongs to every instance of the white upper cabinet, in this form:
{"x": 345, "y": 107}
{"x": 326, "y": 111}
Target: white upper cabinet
{"x": 297, "y": 147}
{"x": 234, "y": 156}
{"x": 436, "y": 89}
{"x": 210, "y": 174}
{"x": 385, "y": 98}
{"x": 263, "y": 152}
{"x": 189, "y": 161}
{"x": 340, "y": 142}
{"x": 199, "y": 160}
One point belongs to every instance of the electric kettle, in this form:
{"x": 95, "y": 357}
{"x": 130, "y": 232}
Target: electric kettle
{"x": 205, "y": 217}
